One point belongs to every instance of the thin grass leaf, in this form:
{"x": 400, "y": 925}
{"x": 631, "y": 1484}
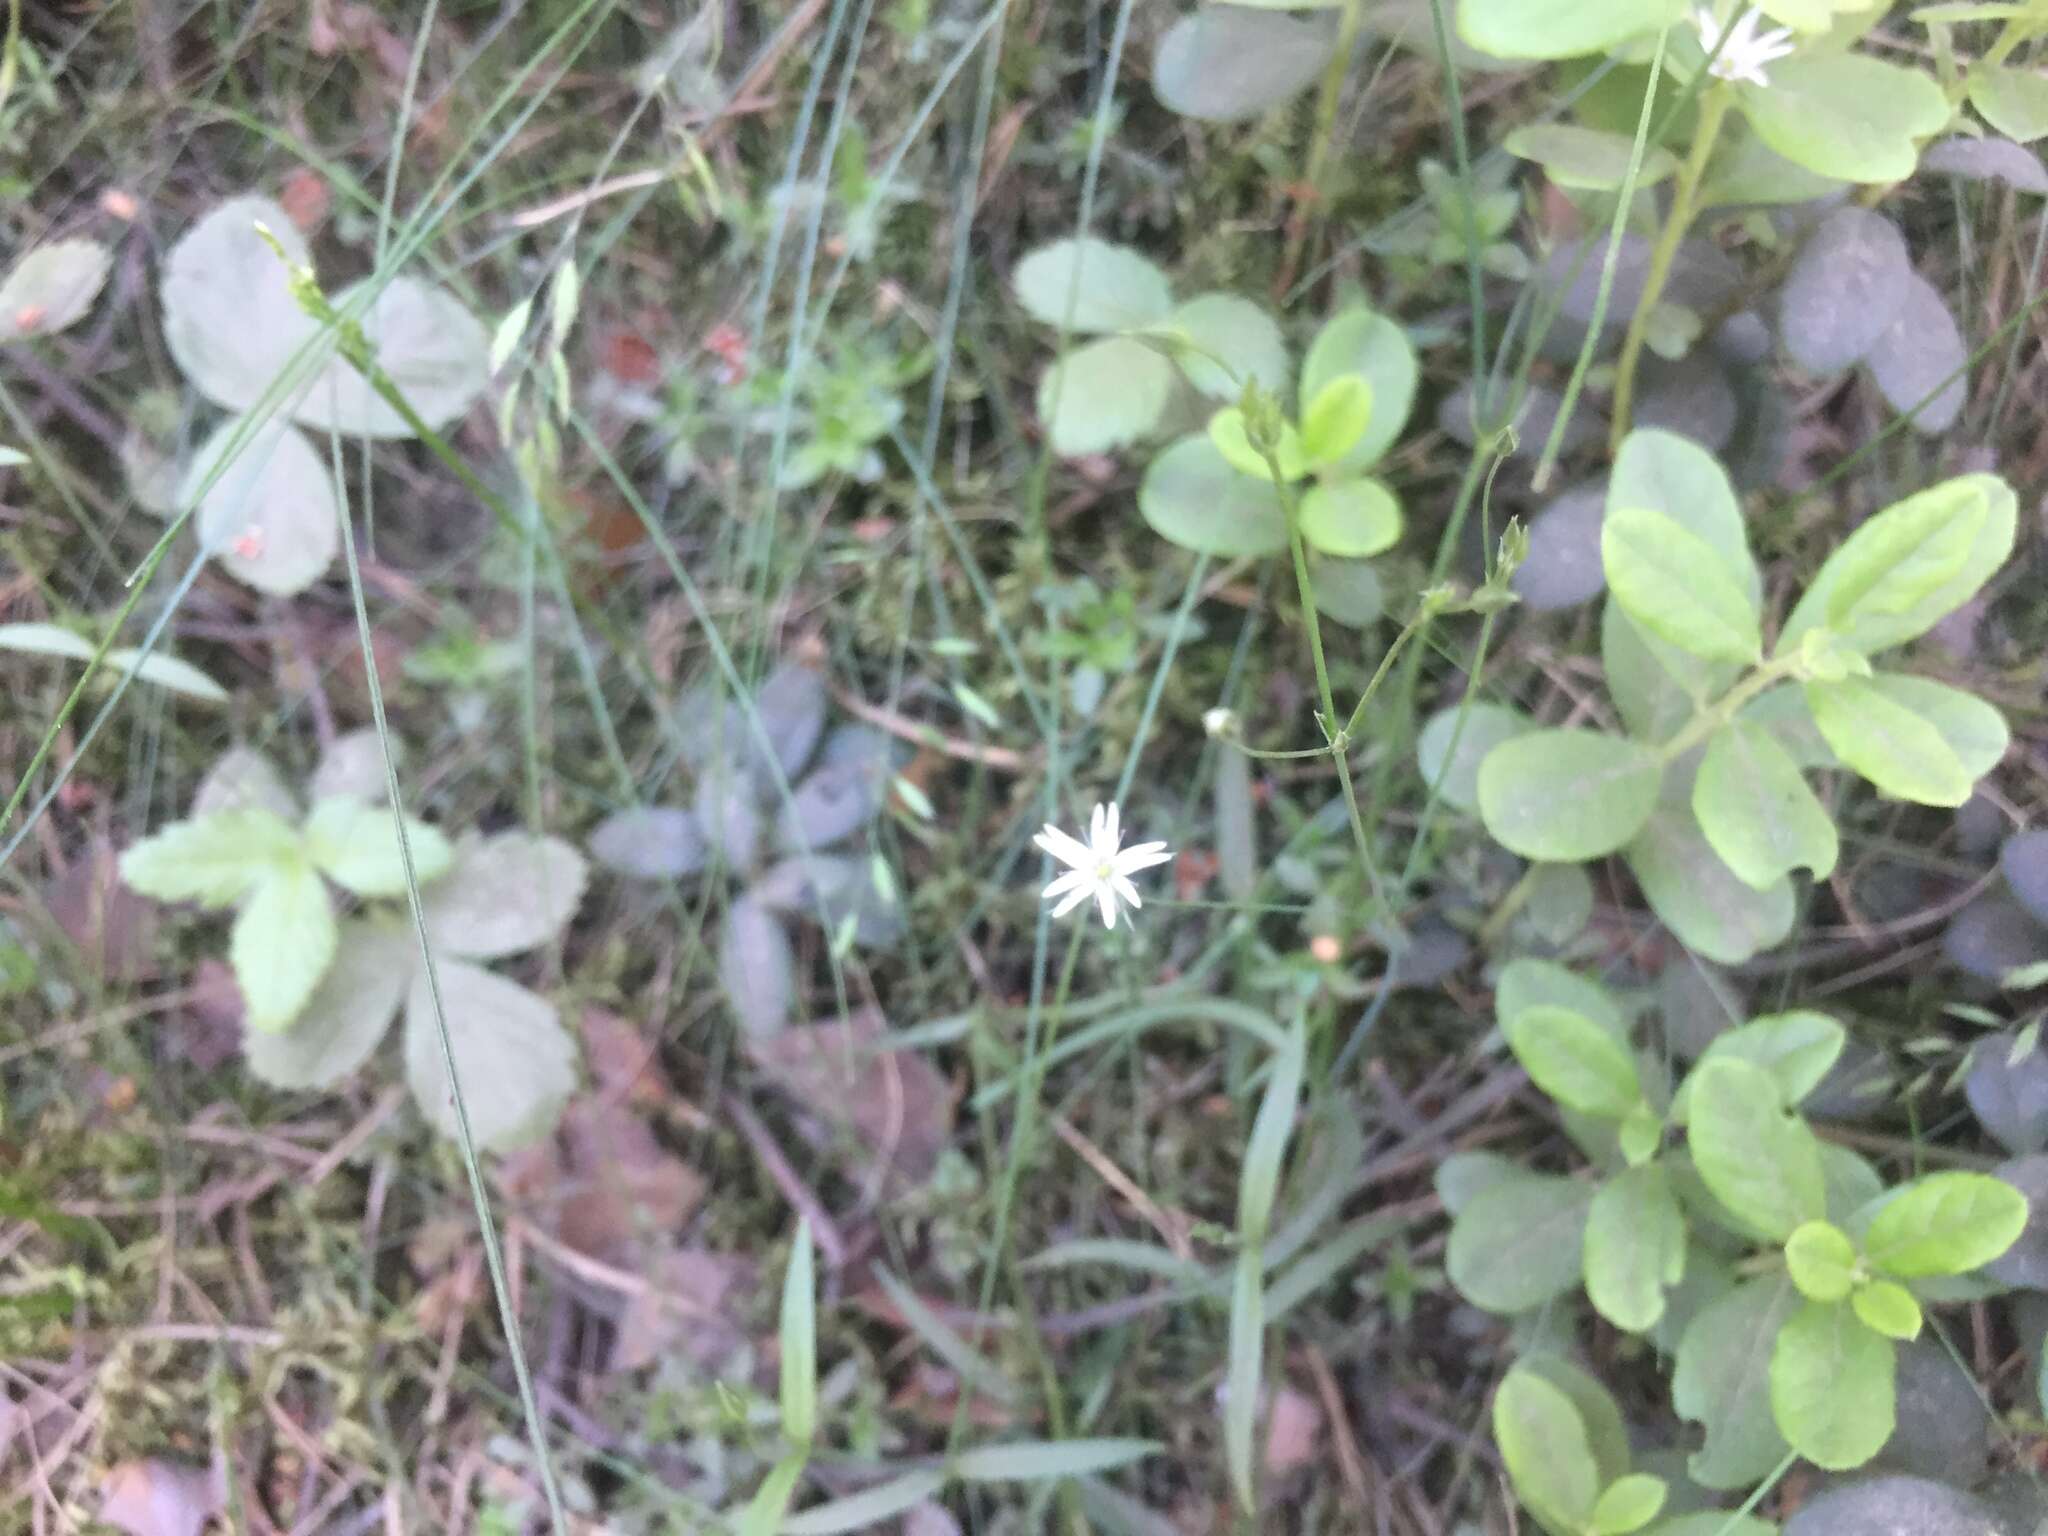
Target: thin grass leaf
{"x": 1030, "y": 1461}
{"x": 1241, "y": 1382}
{"x": 764, "y": 1512}
{"x": 1259, "y": 1186}
{"x": 1119, "y": 1253}
{"x": 974, "y": 1369}
{"x": 799, "y": 1340}
{"x": 866, "y": 1510}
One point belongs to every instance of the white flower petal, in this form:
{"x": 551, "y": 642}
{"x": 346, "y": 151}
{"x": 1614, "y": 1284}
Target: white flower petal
{"x": 1073, "y": 879}
{"x": 1075, "y": 897}
{"x": 1106, "y": 899}
{"x": 1125, "y": 889}
{"x": 1064, "y": 848}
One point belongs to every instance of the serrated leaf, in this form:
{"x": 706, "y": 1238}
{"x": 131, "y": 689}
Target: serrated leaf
{"x": 1192, "y": 497}
{"x": 282, "y": 943}
{"x": 1832, "y": 1383}
{"x": 1519, "y": 1243}
{"x": 1945, "y": 1224}
{"x": 1567, "y": 795}
{"x": 1575, "y": 1061}
{"x": 1350, "y": 519}
{"x": 1104, "y": 395}
{"x": 213, "y": 859}
{"x": 1110, "y": 287}
{"x": 514, "y": 1060}
{"x": 1821, "y": 1260}
{"x": 1721, "y": 1381}
{"x": 1756, "y": 809}
{"x": 272, "y": 518}
{"x": 1635, "y": 1248}
{"x": 503, "y": 894}
{"x": 1675, "y": 585}
{"x": 347, "y": 1015}
{"x": 1907, "y": 534}
{"x": 1761, "y": 1163}
{"x": 1544, "y": 1444}
{"x": 356, "y": 846}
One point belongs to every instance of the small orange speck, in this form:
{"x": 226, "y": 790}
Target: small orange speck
{"x": 120, "y": 204}
{"x": 29, "y": 316}
{"x": 249, "y": 546}
{"x": 1326, "y": 949}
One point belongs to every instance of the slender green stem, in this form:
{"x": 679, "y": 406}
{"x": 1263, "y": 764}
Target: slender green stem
{"x": 1454, "y": 108}
{"x": 1339, "y": 736}
{"x": 1714, "y": 104}
{"x": 1721, "y": 711}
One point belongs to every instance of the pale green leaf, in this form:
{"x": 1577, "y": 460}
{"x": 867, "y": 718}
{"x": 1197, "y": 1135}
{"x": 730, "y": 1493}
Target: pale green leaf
{"x": 1761, "y": 1163}
{"x": 1358, "y": 341}
{"x": 1226, "y": 63}
{"x": 1549, "y": 1458}
{"x": 1560, "y": 29}
{"x": 1635, "y": 1247}
{"x": 1589, "y": 159}
{"x": 272, "y": 518}
{"x": 1660, "y": 471}
{"x": 1821, "y": 1260}
{"x": 869, "y": 1510}
{"x": 1242, "y": 1384}
{"x": 1797, "y": 1049}
{"x": 1832, "y": 1384}
{"x": 1845, "y": 115}
{"x": 1109, "y": 287}
{"x": 1756, "y": 810}
{"x": 1233, "y": 340}
{"x": 2014, "y": 101}
{"x": 162, "y": 670}
{"x": 1888, "y": 1308}
{"x": 503, "y": 894}
{"x": 1519, "y": 1242}
{"x": 1721, "y": 1381}
{"x": 1334, "y": 418}
{"x": 797, "y": 1337}
{"x": 1031, "y": 1461}
{"x": 1675, "y": 585}
{"x": 283, "y": 941}
{"x": 1628, "y": 1504}
{"x": 1192, "y": 497}
{"x": 1351, "y": 519}
{"x": 1232, "y": 439}
{"x": 243, "y": 779}
{"x": 425, "y": 340}
{"x": 1883, "y": 737}
{"x": 1869, "y": 590}
{"x": 1526, "y": 982}
{"x": 346, "y": 1016}
{"x": 1698, "y": 897}
{"x": 212, "y": 859}
{"x": 51, "y": 288}
{"x": 1575, "y": 1061}
{"x": 1455, "y": 742}
{"x": 515, "y": 1061}
{"x": 1568, "y": 794}
{"x": 1104, "y": 395}
{"x": 1945, "y": 1224}
{"x": 356, "y": 846}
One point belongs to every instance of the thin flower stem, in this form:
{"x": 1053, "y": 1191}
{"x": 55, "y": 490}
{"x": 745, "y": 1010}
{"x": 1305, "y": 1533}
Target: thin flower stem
{"x": 1714, "y": 104}
{"x": 1340, "y": 741}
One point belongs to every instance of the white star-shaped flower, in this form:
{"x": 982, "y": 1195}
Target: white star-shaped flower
{"x": 1098, "y": 869}
{"x": 1746, "y": 51}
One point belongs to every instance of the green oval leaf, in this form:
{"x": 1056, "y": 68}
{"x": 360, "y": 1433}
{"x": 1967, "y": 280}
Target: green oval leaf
{"x": 1945, "y": 1224}
{"x": 1821, "y": 1260}
{"x": 1359, "y": 341}
{"x": 1587, "y": 158}
{"x": 1698, "y": 897}
{"x": 1544, "y": 1444}
{"x": 2014, "y": 101}
{"x": 1226, "y": 63}
{"x": 52, "y": 287}
{"x": 1351, "y": 519}
{"x": 1104, "y": 395}
{"x": 1635, "y": 1248}
{"x": 1721, "y": 1381}
{"x": 1110, "y": 287}
{"x": 1449, "y": 757}
{"x": 1878, "y": 733}
{"x": 1675, "y": 585}
{"x": 282, "y": 944}
{"x": 1845, "y": 115}
{"x": 1559, "y": 29}
{"x": 1568, "y": 794}
{"x": 1192, "y": 497}
{"x": 1762, "y": 1164}
{"x": 1832, "y": 1384}
{"x": 1519, "y": 1242}
{"x": 1575, "y": 1061}
{"x": 1628, "y": 1504}
{"x": 1886, "y": 1307}
{"x": 1334, "y": 418}
{"x": 1796, "y": 1048}
{"x": 1756, "y": 810}
{"x": 1234, "y": 340}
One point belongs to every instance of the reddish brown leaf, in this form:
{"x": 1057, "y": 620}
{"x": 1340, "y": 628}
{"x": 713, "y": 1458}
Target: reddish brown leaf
{"x": 891, "y": 1105}
{"x": 115, "y": 929}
